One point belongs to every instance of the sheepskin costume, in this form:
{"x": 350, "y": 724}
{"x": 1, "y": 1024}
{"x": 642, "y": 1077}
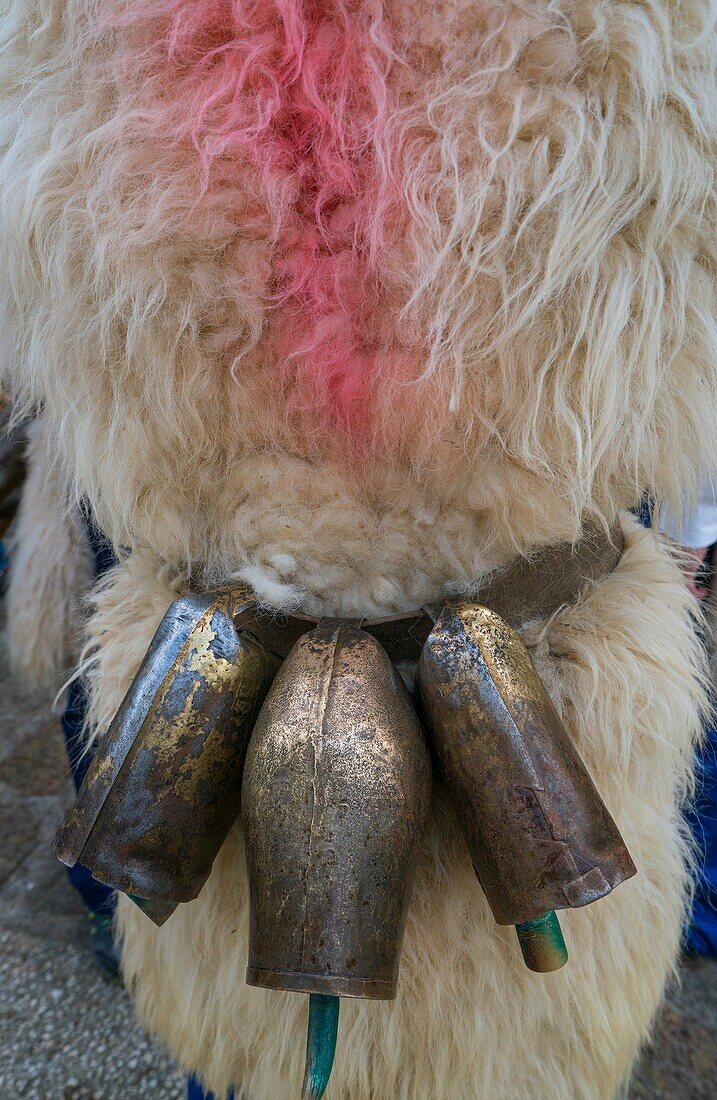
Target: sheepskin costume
{"x": 358, "y": 300}
{"x": 52, "y": 571}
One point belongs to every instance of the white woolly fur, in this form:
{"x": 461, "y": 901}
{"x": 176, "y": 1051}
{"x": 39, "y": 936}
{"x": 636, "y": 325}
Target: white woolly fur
{"x": 51, "y": 573}
{"x": 550, "y": 265}
{"x": 548, "y": 268}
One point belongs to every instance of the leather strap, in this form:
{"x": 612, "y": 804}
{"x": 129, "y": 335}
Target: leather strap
{"x": 525, "y": 589}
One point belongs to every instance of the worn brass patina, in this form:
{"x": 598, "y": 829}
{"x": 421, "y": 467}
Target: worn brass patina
{"x": 538, "y": 832}
{"x": 164, "y": 787}
{"x": 335, "y": 802}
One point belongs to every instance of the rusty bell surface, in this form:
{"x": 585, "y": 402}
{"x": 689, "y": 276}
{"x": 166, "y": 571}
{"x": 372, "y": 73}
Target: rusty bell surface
{"x": 538, "y": 832}
{"x": 164, "y": 787}
{"x": 335, "y": 803}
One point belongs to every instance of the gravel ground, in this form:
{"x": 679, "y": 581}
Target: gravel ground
{"x": 67, "y": 1034}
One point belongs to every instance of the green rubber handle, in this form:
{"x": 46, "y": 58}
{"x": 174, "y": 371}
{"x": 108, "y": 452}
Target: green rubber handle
{"x": 541, "y": 941}
{"x": 320, "y": 1044}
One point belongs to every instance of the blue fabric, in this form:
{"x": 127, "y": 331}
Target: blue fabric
{"x": 100, "y": 547}
{"x": 97, "y": 897}
{"x": 72, "y": 720}
{"x": 645, "y": 510}
{"x": 196, "y": 1092}
{"x": 701, "y": 933}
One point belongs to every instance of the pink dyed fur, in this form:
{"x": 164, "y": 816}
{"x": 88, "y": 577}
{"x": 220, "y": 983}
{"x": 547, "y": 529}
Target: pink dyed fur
{"x": 296, "y": 91}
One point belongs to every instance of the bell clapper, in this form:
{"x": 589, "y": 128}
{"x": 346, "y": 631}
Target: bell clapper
{"x": 541, "y": 941}
{"x": 320, "y": 1044}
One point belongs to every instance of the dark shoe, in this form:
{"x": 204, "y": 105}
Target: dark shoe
{"x": 102, "y": 945}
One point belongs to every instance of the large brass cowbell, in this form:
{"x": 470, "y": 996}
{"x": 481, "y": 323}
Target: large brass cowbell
{"x": 539, "y": 834}
{"x": 163, "y": 789}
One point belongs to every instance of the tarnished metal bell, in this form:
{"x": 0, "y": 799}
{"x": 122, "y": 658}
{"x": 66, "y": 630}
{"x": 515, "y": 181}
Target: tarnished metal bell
{"x": 538, "y": 832}
{"x": 335, "y": 802}
{"x": 164, "y": 787}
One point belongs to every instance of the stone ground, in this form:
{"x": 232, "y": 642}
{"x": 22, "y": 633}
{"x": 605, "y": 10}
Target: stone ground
{"x": 67, "y": 1034}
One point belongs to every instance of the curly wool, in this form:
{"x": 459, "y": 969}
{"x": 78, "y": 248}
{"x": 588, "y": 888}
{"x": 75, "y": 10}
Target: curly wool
{"x": 294, "y": 97}
{"x": 527, "y": 215}
{"x": 52, "y": 570}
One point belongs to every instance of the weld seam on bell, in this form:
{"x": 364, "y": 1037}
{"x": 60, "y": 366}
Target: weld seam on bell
{"x": 291, "y": 982}
{"x": 590, "y": 887}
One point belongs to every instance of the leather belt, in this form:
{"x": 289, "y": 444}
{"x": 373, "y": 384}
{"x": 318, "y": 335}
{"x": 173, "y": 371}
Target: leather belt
{"x": 527, "y": 588}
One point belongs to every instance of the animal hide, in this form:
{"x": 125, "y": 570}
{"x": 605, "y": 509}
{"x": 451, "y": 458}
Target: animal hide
{"x": 357, "y": 300}
{"x": 51, "y": 573}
